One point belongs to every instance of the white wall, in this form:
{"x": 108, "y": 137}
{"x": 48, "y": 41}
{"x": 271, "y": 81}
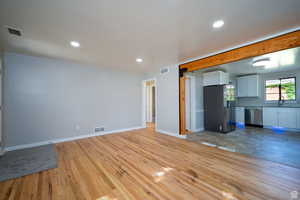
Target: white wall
{"x": 46, "y": 99}
{"x": 199, "y": 110}
{"x": 167, "y": 100}
{"x": 196, "y": 110}
{"x": 1, "y": 80}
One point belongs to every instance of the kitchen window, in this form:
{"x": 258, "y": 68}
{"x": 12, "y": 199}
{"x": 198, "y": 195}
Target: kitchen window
{"x": 283, "y": 89}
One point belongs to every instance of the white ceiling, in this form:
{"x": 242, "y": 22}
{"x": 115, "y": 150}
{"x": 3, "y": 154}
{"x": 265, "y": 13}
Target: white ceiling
{"x": 290, "y": 58}
{"x": 113, "y": 33}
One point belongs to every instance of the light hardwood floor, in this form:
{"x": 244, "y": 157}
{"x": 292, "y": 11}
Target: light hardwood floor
{"x": 145, "y": 165}
{"x": 151, "y": 126}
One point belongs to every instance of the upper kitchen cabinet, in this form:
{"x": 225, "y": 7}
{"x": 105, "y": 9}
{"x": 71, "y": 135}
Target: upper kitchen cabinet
{"x": 215, "y": 78}
{"x": 242, "y": 87}
{"x": 248, "y": 86}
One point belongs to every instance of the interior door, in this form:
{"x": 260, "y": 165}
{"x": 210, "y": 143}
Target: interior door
{"x": 148, "y": 102}
{"x": 153, "y": 104}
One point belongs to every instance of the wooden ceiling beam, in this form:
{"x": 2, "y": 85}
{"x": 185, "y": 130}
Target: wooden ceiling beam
{"x": 286, "y": 41}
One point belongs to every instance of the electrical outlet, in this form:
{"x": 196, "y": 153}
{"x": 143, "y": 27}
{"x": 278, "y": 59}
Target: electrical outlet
{"x": 99, "y": 129}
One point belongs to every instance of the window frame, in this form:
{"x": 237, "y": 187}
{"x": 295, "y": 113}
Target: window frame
{"x": 286, "y": 101}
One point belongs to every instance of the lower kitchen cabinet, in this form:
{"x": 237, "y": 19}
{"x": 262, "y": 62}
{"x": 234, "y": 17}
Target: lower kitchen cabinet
{"x": 240, "y": 115}
{"x": 298, "y": 119}
{"x": 270, "y": 117}
{"x": 282, "y": 117}
{"x": 287, "y": 117}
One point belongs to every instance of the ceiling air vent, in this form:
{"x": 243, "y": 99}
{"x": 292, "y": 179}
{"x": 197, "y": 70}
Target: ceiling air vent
{"x": 14, "y": 31}
{"x": 164, "y": 70}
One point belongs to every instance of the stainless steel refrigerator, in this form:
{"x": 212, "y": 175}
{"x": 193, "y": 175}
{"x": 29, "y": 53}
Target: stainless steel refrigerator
{"x": 219, "y": 108}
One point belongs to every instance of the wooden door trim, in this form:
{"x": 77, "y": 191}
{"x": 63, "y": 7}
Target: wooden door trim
{"x": 182, "y": 109}
{"x": 282, "y": 42}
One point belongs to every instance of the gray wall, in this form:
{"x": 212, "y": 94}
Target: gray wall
{"x": 1, "y": 96}
{"x": 167, "y": 100}
{"x": 260, "y": 101}
{"x": 46, "y": 99}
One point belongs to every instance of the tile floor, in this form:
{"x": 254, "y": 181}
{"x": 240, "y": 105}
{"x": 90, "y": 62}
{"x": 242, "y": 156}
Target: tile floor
{"x": 262, "y": 143}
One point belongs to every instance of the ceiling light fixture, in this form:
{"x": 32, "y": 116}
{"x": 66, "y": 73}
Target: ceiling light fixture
{"x": 262, "y": 62}
{"x": 139, "y": 60}
{"x": 75, "y": 44}
{"x": 218, "y": 24}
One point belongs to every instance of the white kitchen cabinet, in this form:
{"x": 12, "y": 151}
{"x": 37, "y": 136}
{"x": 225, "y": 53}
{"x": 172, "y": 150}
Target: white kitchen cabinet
{"x": 253, "y": 83}
{"x": 240, "y": 115}
{"x": 287, "y": 117}
{"x": 248, "y": 86}
{"x": 242, "y": 87}
{"x": 298, "y": 118}
{"x": 282, "y": 117}
{"x": 215, "y": 78}
{"x": 270, "y": 117}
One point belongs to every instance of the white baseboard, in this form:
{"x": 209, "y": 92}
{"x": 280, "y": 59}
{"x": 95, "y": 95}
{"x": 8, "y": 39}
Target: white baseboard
{"x": 54, "y": 141}
{"x": 198, "y": 130}
{"x": 171, "y": 134}
{"x": 285, "y": 129}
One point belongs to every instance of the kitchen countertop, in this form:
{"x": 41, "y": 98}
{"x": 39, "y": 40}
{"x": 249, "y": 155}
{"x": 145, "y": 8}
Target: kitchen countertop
{"x": 270, "y": 106}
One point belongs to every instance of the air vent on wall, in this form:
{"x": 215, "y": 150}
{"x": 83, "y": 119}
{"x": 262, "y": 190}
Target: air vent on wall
{"x": 164, "y": 70}
{"x": 14, "y": 31}
{"x": 98, "y": 129}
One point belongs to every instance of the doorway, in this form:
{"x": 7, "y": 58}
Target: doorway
{"x": 149, "y": 105}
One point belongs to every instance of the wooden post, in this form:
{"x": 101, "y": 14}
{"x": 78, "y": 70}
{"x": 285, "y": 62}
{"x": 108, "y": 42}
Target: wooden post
{"x": 182, "y": 105}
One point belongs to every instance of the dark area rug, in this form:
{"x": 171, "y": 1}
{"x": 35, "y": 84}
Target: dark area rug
{"x": 15, "y": 164}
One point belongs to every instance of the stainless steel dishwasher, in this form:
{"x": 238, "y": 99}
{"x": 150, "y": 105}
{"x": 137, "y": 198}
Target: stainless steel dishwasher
{"x": 254, "y": 116}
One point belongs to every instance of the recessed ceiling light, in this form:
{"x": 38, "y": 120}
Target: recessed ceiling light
{"x": 139, "y": 60}
{"x": 218, "y": 24}
{"x": 75, "y": 44}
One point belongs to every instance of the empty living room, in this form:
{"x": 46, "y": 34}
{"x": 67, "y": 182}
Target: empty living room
{"x": 149, "y": 100}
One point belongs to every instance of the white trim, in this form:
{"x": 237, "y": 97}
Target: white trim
{"x": 209, "y": 144}
{"x": 198, "y": 130}
{"x": 144, "y": 112}
{"x": 226, "y": 149}
{"x": 296, "y": 130}
{"x": 241, "y": 45}
{"x": 190, "y": 105}
{"x": 54, "y": 141}
{"x": 171, "y": 134}
{"x": 144, "y": 103}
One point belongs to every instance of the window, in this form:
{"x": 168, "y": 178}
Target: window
{"x": 229, "y": 93}
{"x": 281, "y": 89}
